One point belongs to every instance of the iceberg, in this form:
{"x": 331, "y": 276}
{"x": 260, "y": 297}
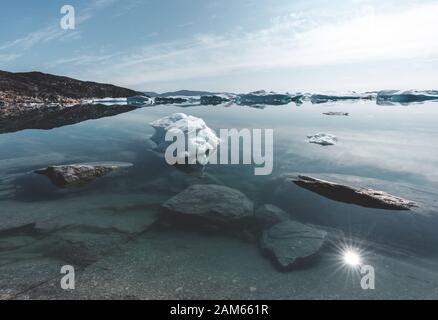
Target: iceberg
{"x": 335, "y": 96}
{"x": 139, "y": 100}
{"x": 213, "y": 100}
{"x": 109, "y": 101}
{"x": 170, "y": 100}
{"x": 323, "y": 139}
{"x": 201, "y": 141}
{"x": 406, "y": 97}
{"x": 268, "y": 98}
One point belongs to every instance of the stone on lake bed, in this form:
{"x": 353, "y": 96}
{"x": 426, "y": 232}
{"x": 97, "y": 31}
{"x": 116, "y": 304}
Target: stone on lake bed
{"x": 292, "y": 244}
{"x": 211, "y": 203}
{"x": 269, "y": 215}
{"x": 323, "y": 139}
{"x": 77, "y": 174}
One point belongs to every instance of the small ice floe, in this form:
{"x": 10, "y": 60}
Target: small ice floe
{"x": 323, "y": 139}
{"x": 201, "y": 141}
{"x": 406, "y": 97}
{"x": 336, "y": 113}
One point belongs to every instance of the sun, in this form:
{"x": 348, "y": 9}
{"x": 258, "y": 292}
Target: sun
{"x": 351, "y": 258}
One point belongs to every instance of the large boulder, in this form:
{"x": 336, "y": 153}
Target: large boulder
{"x": 293, "y": 244}
{"x": 211, "y": 204}
{"x": 77, "y": 174}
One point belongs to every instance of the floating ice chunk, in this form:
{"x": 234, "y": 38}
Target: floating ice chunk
{"x": 408, "y": 96}
{"x": 324, "y": 139}
{"x": 201, "y": 141}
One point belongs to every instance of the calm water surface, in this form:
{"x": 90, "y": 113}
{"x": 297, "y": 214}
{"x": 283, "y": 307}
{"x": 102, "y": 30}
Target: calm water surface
{"x": 106, "y": 230}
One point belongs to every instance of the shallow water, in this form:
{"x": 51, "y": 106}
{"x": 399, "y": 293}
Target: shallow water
{"x": 105, "y": 229}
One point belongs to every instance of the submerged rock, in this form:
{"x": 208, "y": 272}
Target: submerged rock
{"x": 364, "y": 197}
{"x": 336, "y": 113}
{"x": 77, "y": 174}
{"x": 323, "y": 139}
{"x": 213, "y": 204}
{"x": 292, "y": 244}
{"x": 268, "y": 215}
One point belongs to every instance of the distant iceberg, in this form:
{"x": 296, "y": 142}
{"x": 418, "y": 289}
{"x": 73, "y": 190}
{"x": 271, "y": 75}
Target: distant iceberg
{"x": 335, "y": 96}
{"x": 268, "y": 98}
{"x": 406, "y": 97}
{"x": 213, "y": 100}
{"x": 139, "y": 100}
{"x": 201, "y": 140}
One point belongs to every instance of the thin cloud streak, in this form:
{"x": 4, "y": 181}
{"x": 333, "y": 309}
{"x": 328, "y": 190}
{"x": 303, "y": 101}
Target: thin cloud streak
{"x": 296, "y": 41}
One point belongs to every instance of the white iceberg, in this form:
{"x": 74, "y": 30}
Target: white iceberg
{"x": 201, "y": 141}
{"x": 323, "y": 139}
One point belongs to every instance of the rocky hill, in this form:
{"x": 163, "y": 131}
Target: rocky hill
{"x": 51, "y": 88}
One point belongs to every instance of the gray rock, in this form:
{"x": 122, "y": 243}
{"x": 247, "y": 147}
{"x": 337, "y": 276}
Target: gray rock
{"x": 77, "y": 174}
{"x": 269, "y": 215}
{"x": 213, "y": 203}
{"x": 364, "y": 197}
{"x": 292, "y": 243}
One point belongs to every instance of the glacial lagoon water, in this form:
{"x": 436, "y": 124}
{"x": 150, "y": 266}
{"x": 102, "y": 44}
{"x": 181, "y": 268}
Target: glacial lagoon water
{"x": 106, "y": 228}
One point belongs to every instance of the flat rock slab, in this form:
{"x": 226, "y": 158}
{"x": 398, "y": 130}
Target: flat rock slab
{"x": 364, "y": 197}
{"x": 292, "y": 243}
{"x": 213, "y": 203}
{"x": 77, "y": 174}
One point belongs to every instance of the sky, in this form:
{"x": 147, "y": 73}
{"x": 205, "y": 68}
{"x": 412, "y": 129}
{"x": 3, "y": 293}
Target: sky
{"x": 227, "y": 45}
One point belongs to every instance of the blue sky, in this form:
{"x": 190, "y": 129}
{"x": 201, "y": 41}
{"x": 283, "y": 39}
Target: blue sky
{"x": 228, "y": 45}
